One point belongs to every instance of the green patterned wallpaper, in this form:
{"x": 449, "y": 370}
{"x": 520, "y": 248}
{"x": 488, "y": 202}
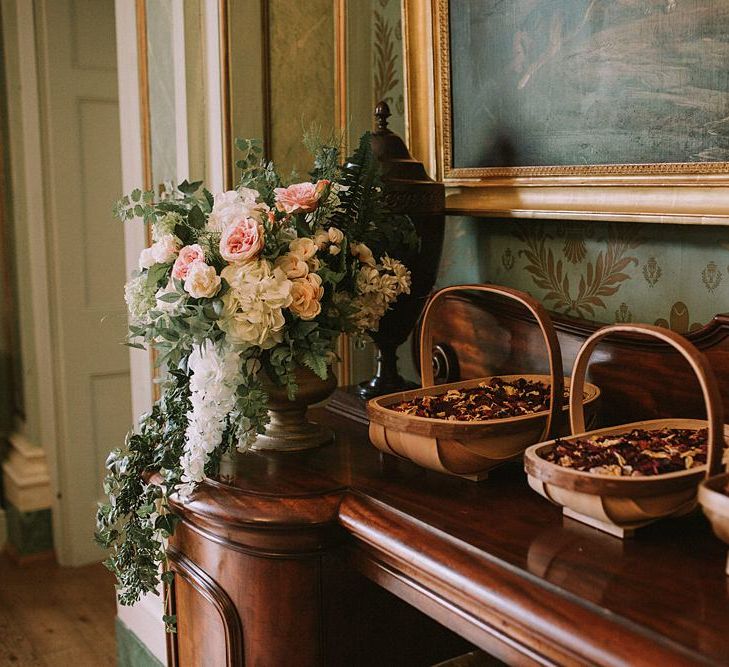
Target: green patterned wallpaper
{"x": 675, "y": 276}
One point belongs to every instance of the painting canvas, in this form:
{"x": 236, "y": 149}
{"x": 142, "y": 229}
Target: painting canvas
{"x": 588, "y": 82}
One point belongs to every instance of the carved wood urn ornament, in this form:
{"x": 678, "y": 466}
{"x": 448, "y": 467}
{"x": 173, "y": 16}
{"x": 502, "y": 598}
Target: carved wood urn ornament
{"x": 408, "y": 191}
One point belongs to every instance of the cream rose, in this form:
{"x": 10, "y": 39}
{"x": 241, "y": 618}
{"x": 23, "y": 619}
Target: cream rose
{"x": 253, "y": 305}
{"x": 163, "y": 251}
{"x": 335, "y": 235}
{"x": 306, "y": 295}
{"x": 321, "y": 238}
{"x": 300, "y": 197}
{"x": 362, "y": 253}
{"x": 292, "y": 265}
{"x": 334, "y": 250}
{"x": 202, "y": 281}
{"x": 188, "y": 255}
{"x": 304, "y": 248}
{"x": 242, "y": 241}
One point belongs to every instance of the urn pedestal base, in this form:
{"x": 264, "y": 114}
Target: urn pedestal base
{"x": 289, "y": 430}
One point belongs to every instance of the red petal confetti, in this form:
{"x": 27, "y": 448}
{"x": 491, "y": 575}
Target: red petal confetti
{"x": 639, "y": 453}
{"x": 496, "y": 399}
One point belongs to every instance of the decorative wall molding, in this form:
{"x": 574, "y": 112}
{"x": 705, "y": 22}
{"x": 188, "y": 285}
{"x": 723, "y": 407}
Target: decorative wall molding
{"x": 26, "y": 476}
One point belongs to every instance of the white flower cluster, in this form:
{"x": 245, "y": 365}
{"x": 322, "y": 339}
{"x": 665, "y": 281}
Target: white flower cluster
{"x": 215, "y": 373}
{"x": 140, "y": 298}
{"x": 378, "y": 285}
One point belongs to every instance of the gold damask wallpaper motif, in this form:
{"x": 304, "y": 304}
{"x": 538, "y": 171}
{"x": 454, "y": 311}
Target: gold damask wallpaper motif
{"x": 605, "y": 272}
{"x": 387, "y": 57}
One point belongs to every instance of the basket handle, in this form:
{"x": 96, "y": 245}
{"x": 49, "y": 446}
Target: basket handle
{"x": 545, "y": 324}
{"x": 699, "y": 364}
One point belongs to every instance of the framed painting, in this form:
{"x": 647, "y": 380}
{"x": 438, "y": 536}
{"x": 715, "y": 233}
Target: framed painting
{"x": 573, "y": 108}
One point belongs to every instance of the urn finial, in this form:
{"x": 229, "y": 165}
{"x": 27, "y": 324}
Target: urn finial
{"x": 382, "y": 113}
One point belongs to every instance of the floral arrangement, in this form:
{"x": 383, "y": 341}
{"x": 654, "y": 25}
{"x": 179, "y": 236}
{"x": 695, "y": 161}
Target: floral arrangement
{"x": 258, "y": 280}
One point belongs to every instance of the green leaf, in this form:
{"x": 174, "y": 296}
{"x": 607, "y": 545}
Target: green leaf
{"x": 136, "y": 195}
{"x": 169, "y": 297}
{"x": 196, "y": 218}
{"x": 189, "y": 188}
{"x": 209, "y": 197}
{"x": 315, "y": 363}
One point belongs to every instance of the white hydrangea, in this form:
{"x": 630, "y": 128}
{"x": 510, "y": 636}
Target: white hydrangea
{"x": 215, "y": 375}
{"x": 253, "y": 306}
{"x": 234, "y": 205}
{"x": 165, "y": 225}
{"x": 140, "y": 299}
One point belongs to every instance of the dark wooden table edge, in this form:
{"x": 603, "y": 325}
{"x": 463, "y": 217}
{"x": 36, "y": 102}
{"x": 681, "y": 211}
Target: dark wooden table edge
{"x": 499, "y": 607}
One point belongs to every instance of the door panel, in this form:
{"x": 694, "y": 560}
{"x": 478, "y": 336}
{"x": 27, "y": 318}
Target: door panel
{"x": 80, "y": 123}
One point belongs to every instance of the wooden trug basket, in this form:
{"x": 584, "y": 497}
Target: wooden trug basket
{"x": 469, "y": 449}
{"x": 619, "y": 505}
{"x": 715, "y": 503}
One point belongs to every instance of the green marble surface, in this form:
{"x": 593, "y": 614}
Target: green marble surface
{"x": 130, "y": 651}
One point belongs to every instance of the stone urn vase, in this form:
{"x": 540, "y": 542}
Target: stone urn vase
{"x": 289, "y": 429}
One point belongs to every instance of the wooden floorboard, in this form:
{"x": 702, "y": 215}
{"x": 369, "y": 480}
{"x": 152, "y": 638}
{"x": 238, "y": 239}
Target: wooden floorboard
{"x": 51, "y": 615}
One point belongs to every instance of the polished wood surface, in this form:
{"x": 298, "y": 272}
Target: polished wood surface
{"x": 301, "y": 544}
{"x": 492, "y": 561}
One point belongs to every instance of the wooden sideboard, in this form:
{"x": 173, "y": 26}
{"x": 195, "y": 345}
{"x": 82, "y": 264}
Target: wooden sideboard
{"x": 345, "y": 556}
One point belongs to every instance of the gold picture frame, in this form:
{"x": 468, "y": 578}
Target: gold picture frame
{"x": 678, "y": 193}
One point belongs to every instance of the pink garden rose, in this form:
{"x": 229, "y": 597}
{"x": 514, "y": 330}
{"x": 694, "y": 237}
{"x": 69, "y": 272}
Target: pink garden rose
{"x": 188, "y": 255}
{"x": 242, "y": 241}
{"x": 300, "y": 197}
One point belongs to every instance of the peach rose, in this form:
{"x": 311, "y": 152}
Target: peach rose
{"x": 300, "y": 197}
{"x": 292, "y": 265}
{"x": 304, "y": 248}
{"x": 241, "y": 241}
{"x": 188, "y": 255}
{"x": 306, "y": 294}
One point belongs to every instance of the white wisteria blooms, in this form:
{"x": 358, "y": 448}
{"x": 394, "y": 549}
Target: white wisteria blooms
{"x": 215, "y": 374}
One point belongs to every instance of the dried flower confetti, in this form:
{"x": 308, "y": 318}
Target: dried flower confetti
{"x": 496, "y": 399}
{"x": 638, "y": 453}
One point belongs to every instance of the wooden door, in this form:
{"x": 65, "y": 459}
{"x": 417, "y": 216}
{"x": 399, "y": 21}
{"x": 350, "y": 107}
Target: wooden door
{"x": 79, "y": 119}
